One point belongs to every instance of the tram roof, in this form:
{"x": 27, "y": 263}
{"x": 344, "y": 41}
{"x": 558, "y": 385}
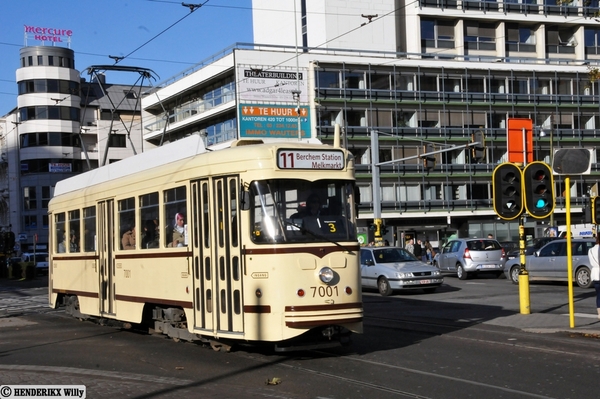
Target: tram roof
{"x": 173, "y": 152}
{"x": 164, "y": 155}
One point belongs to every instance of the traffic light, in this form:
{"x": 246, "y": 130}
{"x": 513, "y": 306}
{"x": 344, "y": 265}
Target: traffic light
{"x": 478, "y": 150}
{"x": 538, "y": 187}
{"x": 428, "y": 160}
{"x": 596, "y": 210}
{"x": 508, "y": 198}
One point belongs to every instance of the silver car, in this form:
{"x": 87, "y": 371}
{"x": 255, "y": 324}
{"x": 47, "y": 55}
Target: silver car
{"x": 469, "y": 256}
{"x": 392, "y": 268}
{"x": 550, "y": 262}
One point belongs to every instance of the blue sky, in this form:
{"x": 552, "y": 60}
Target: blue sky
{"x": 123, "y": 28}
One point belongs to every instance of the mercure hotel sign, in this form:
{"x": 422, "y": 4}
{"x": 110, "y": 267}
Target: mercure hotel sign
{"x": 48, "y": 34}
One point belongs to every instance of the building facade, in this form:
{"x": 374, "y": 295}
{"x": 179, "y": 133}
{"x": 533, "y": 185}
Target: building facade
{"x": 63, "y": 125}
{"x": 420, "y": 75}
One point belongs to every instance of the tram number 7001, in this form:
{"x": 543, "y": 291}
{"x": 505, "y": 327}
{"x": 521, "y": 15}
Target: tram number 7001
{"x": 324, "y": 292}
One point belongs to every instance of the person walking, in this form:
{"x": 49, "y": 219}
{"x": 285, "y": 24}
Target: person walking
{"x": 410, "y": 247}
{"x": 418, "y": 250}
{"x": 594, "y": 257}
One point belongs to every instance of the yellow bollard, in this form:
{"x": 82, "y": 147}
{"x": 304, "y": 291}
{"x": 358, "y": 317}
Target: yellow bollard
{"x": 525, "y": 306}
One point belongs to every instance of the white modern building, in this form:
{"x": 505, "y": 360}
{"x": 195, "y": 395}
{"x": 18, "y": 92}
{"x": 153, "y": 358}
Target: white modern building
{"x": 65, "y": 123}
{"x": 422, "y": 75}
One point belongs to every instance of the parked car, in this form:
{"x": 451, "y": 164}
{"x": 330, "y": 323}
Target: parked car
{"x": 550, "y": 262}
{"x": 40, "y": 259}
{"x": 510, "y": 247}
{"x": 531, "y": 247}
{"x": 392, "y": 268}
{"x": 469, "y": 256}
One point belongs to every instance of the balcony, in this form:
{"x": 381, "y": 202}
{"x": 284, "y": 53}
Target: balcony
{"x": 186, "y": 111}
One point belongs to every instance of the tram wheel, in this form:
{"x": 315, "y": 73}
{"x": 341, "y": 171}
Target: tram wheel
{"x": 383, "y": 285}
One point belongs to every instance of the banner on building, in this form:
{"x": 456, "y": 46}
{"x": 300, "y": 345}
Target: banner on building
{"x": 270, "y": 84}
{"x": 60, "y": 167}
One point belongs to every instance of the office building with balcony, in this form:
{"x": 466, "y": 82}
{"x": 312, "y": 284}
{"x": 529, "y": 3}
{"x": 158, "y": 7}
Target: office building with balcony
{"x": 425, "y": 76}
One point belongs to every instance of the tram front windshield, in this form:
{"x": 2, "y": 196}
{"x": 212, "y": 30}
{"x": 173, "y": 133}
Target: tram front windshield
{"x": 288, "y": 211}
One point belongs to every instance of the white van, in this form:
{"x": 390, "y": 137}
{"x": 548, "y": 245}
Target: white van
{"x": 40, "y": 260}
{"x": 586, "y": 230}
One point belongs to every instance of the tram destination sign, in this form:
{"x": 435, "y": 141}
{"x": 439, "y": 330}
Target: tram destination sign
{"x": 310, "y": 159}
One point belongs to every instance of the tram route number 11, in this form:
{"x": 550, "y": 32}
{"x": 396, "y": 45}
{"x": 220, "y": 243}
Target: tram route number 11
{"x": 307, "y": 159}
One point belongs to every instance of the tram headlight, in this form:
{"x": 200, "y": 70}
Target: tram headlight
{"x": 326, "y": 275}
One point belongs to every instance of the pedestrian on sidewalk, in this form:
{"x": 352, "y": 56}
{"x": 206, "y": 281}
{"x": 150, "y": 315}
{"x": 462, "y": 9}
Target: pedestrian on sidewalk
{"x": 594, "y": 257}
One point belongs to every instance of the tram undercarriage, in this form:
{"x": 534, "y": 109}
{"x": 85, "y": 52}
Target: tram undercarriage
{"x": 172, "y": 323}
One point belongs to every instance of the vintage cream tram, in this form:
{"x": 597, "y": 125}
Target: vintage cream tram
{"x": 217, "y": 246}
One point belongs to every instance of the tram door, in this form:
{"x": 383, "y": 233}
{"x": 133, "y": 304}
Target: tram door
{"x": 217, "y": 269}
{"x": 104, "y": 246}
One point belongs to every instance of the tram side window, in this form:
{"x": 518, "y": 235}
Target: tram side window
{"x": 89, "y": 229}
{"x": 74, "y": 230}
{"x": 149, "y": 219}
{"x": 127, "y": 226}
{"x": 175, "y": 217}
{"x": 61, "y": 234}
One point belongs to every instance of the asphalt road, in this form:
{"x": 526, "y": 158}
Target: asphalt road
{"x": 441, "y": 345}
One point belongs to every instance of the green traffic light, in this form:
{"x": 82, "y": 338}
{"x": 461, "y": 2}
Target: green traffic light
{"x": 541, "y": 203}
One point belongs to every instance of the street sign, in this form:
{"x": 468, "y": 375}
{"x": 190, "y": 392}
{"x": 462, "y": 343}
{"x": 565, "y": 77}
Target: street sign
{"x": 519, "y": 140}
{"x": 572, "y": 161}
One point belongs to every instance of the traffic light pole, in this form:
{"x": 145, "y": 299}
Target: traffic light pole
{"x": 525, "y": 305}
{"x": 375, "y": 182}
{"x": 569, "y": 253}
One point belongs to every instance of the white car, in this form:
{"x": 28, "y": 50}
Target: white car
{"x": 392, "y": 268}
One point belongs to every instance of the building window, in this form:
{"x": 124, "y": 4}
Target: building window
{"x": 480, "y": 36}
{"x": 328, "y": 79}
{"x": 592, "y": 41}
{"x": 49, "y": 112}
{"x": 520, "y": 38}
{"x": 117, "y": 141}
{"x": 560, "y": 40}
{"x": 29, "y": 198}
{"x": 30, "y": 222}
{"x": 53, "y": 139}
{"x": 437, "y": 34}
{"x": 46, "y": 196}
{"x": 107, "y": 115}
{"x": 40, "y": 60}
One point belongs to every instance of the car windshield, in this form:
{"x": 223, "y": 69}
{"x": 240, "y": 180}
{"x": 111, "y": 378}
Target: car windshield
{"x": 293, "y": 210}
{"x": 392, "y": 255}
